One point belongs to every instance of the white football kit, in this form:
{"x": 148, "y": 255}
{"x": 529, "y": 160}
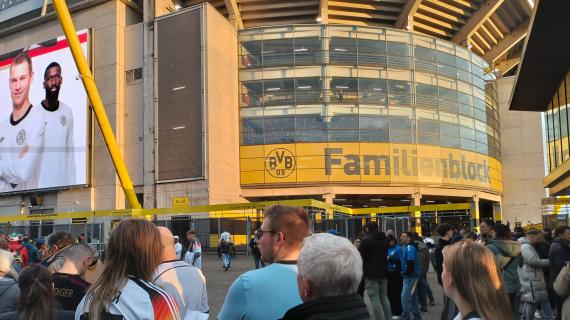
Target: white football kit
{"x": 58, "y": 160}
{"x": 21, "y": 148}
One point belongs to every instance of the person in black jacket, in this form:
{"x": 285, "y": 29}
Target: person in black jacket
{"x": 255, "y": 251}
{"x": 330, "y": 269}
{"x": 558, "y": 254}
{"x": 374, "y": 252}
{"x": 445, "y": 232}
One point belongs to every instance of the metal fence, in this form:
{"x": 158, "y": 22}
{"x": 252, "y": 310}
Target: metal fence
{"x": 241, "y": 220}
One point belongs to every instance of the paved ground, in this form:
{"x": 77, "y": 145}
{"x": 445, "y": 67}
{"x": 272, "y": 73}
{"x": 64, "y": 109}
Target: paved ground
{"x": 218, "y": 281}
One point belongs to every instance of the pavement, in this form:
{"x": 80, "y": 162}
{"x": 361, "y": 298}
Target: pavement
{"x": 218, "y": 282}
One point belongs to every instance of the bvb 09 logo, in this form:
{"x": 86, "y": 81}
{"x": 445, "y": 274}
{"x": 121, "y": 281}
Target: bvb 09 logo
{"x": 280, "y": 163}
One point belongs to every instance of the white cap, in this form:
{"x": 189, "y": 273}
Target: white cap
{"x": 176, "y": 237}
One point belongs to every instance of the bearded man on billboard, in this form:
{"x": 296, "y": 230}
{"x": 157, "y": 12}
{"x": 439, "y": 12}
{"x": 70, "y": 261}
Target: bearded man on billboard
{"x": 58, "y": 162}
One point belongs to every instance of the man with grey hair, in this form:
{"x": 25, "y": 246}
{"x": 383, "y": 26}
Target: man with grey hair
{"x": 330, "y": 269}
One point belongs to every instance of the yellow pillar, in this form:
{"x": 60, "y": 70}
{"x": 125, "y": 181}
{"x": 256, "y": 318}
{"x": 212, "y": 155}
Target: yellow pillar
{"x": 475, "y": 213}
{"x": 417, "y": 215}
{"x": 97, "y": 104}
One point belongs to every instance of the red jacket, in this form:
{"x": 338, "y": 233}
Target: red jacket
{"x": 16, "y": 246}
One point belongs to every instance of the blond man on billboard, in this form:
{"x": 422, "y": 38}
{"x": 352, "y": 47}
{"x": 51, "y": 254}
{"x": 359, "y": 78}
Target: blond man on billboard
{"x": 22, "y": 133}
{"x": 58, "y": 162}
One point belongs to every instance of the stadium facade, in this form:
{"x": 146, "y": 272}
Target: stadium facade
{"x": 357, "y": 103}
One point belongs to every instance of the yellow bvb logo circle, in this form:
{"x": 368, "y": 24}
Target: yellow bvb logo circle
{"x": 280, "y": 163}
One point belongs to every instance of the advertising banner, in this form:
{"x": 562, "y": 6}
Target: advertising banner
{"x": 368, "y": 164}
{"x": 43, "y": 118}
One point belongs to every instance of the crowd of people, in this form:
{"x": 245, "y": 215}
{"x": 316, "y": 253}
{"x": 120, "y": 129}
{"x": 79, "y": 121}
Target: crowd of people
{"x": 146, "y": 273}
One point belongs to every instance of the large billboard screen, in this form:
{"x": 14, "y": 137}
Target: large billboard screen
{"x": 43, "y": 118}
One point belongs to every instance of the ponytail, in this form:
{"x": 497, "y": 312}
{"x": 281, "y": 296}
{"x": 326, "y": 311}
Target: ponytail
{"x": 36, "y": 294}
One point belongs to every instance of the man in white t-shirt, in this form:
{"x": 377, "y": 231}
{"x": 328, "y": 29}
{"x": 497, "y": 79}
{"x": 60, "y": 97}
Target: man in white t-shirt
{"x": 177, "y": 247}
{"x": 22, "y": 133}
{"x": 188, "y": 281}
{"x": 58, "y": 162}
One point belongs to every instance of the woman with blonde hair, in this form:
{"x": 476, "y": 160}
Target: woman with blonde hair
{"x": 125, "y": 287}
{"x": 472, "y": 280}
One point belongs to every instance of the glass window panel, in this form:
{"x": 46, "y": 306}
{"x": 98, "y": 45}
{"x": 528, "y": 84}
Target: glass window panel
{"x": 308, "y": 90}
{"x": 399, "y": 55}
{"x": 425, "y": 58}
{"x": 399, "y": 92}
{"x": 252, "y": 93}
{"x": 278, "y": 92}
{"x": 374, "y": 129}
{"x": 277, "y": 53}
{"x": 428, "y": 132}
{"x": 466, "y": 110}
{"x": 564, "y": 133}
{"x": 373, "y": 91}
{"x": 344, "y": 90}
{"x": 401, "y": 130}
{"x": 426, "y": 95}
{"x": 311, "y": 135}
{"x": 467, "y": 144}
{"x": 310, "y": 122}
{"x": 482, "y": 148}
{"x": 342, "y": 51}
{"x": 371, "y": 52}
{"x": 308, "y": 51}
{"x": 481, "y": 137}
{"x": 343, "y": 135}
{"x": 251, "y": 131}
{"x": 556, "y": 122}
{"x": 466, "y": 133}
{"x": 279, "y": 129}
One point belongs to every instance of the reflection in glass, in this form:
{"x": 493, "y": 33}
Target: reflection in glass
{"x": 387, "y": 87}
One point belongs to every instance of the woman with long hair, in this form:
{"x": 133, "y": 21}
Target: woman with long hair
{"x": 472, "y": 280}
{"x": 36, "y": 297}
{"x": 125, "y": 287}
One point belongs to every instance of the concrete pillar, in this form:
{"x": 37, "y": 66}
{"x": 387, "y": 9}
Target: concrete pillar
{"x": 498, "y": 212}
{"x": 328, "y": 198}
{"x": 416, "y": 215}
{"x": 475, "y": 213}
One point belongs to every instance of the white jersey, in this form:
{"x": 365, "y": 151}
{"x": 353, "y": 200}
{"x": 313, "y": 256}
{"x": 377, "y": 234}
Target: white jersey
{"x": 178, "y": 250}
{"x": 58, "y": 160}
{"x": 188, "y": 281}
{"x": 137, "y": 300}
{"x": 21, "y": 148}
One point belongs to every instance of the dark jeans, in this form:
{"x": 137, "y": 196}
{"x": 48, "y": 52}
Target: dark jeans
{"x": 395, "y": 292}
{"x": 257, "y": 260}
{"x": 515, "y": 300}
{"x": 424, "y": 290}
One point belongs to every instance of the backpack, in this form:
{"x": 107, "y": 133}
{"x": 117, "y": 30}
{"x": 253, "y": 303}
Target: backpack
{"x": 423, "y": 256}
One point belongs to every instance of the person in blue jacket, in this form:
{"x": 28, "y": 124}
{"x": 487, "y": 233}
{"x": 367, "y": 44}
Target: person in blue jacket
{"x": 411, "y": 275}
{"x": 395, "y": 276}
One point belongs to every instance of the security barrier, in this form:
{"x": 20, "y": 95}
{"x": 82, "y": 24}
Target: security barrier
{"x": 240, "y": 219}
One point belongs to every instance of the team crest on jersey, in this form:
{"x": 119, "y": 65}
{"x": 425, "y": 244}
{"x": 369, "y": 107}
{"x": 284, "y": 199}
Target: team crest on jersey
{"x": 21, "y": 137}
{"x": 63, "y": 120}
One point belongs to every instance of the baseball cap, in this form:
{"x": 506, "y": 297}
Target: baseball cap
{"x": 40, "y": 241}
{"x": 176, "y": 237}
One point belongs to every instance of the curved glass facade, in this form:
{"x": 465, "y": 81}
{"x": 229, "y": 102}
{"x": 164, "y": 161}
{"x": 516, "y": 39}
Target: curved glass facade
{"x": 321, "y": 83}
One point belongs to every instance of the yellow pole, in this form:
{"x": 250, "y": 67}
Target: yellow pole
{"x": 97, "y": 104}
